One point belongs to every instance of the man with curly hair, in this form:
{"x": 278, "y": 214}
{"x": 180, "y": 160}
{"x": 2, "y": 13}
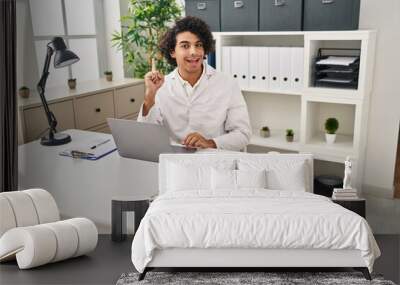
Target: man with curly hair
{"x": 201, "y": 107}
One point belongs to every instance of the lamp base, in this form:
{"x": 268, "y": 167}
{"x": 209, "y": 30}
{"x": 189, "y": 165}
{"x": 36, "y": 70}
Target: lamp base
{"x": 58, "y": 139}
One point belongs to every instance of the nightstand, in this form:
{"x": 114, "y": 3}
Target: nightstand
{"x": 120, "y": 205}
{"x": 356, "y": 205}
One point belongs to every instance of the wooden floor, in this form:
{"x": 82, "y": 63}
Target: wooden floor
{"x": 110, "y": 260}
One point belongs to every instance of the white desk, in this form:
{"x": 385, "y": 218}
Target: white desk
{"x": 82, "y": 187}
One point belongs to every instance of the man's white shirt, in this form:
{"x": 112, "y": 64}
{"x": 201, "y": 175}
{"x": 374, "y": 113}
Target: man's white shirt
{"x": 213, "y": 107}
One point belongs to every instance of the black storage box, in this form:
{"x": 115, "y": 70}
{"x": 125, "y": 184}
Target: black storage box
{"x": 207, "y": 10}
{"x": 322, "y": 15}
{"x": 281, "y": 15}
{"x": 239, "y": 15}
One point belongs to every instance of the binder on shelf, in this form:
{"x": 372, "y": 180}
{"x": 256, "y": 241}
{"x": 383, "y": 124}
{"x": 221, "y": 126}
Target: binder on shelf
{"x": 285, "y": 59}
{"x": 297, "y": 68}
{"x": 258, "y": 68}
{"x": 335, "y": 70}
{"x": 263, "y": 67}
{"x": 274, "y": 59}
{"x": 240, "y": 65}
{"x": 235, "y": 65}
{"x": 253, "y": 68}
{"x": 226, "y": 59}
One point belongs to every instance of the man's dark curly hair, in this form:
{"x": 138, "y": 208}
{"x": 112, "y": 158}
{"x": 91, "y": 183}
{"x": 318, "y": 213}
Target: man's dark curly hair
{"x": 187, "y": 24}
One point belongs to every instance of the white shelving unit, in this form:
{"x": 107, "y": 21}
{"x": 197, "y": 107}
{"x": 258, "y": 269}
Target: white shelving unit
{"x": 306, "y": 110}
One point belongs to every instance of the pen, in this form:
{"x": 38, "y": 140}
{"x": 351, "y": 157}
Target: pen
{"x": 99, "y": 144}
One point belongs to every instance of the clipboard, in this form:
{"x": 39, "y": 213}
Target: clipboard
{"x": 93, "y": 150}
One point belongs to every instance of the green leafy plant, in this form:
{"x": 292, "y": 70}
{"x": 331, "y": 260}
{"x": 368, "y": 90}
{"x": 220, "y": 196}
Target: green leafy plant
{"x": 141, "y": 31}
{"x": 331, "y": 125}
{"x": 24, "y": 91}
{"x": 289, "y": 133}
{"x": 265, "y": 128}
{"x": 107, "y": 72}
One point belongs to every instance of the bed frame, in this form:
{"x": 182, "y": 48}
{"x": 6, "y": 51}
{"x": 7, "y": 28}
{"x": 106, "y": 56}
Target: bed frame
{"x": 256, "y": 258}
{"x": 242, "y": 258}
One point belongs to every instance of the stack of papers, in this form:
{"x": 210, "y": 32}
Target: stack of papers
{"x": 335, "y": 80}
{"x": 344, "y": 194}
{"x": 338, "y": 60}
{"x": 92, "y": 151}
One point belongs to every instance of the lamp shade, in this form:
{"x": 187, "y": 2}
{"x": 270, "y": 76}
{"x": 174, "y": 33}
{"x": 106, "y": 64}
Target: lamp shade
{"x": 63, "y": 56}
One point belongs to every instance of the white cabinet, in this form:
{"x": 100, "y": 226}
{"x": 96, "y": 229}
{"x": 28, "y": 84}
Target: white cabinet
{"x": 290, "y": 100}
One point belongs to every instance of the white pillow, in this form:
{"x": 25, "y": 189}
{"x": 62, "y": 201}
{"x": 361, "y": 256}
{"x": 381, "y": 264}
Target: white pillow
{"x": 251, "y": 178}
{"x": 223, "y": 179}
{"x": 228, "y": 179}
{"x": 195, "y": 173}
{"x": 281, "y": 174}
{"x": 292, "y": 178}
{"x": 182, "y": 177}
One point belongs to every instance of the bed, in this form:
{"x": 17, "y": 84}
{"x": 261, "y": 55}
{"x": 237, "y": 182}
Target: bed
{"x": 247, "y": 210}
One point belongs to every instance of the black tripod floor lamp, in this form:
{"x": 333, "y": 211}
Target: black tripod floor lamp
{"x": 62, "y": 58}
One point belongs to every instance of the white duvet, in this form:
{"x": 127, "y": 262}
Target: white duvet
{"x": 250, "y": 218}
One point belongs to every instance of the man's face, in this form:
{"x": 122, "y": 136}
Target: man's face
{"x": 189, "y": 52}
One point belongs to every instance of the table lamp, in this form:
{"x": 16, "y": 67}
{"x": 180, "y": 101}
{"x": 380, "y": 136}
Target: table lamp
{"x": 62, "y": 58}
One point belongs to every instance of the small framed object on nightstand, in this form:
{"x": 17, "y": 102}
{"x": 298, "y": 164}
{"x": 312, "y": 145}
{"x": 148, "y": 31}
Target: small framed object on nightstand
{"x": 356, "y": 205}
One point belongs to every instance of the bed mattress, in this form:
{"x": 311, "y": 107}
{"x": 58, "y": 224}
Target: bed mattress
{"x": 251, "y": 219}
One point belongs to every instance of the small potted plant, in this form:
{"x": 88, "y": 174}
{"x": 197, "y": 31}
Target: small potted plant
{"x": 24, "y": 92}
{"x": 289, "y": 135}
{"x": 109, "y": 75}
{"x": 331, "y": 126}
{"x": 72, "y": 83}
{"x": 264, "y": 132}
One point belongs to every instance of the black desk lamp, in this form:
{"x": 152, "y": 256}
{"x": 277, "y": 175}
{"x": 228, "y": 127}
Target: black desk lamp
{"x": 62, "y": 58}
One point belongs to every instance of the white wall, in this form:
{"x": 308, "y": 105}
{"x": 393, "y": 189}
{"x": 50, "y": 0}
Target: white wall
{"x": 112, "y": 24}
{"x": 26, "y": 57}
{"x": 384, "y": 115}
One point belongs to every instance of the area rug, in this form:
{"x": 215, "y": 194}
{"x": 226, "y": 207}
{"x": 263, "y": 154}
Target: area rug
{"x": 244, "y": 278}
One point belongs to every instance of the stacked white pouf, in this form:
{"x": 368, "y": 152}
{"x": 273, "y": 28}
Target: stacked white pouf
{"x": 31, "y": 230}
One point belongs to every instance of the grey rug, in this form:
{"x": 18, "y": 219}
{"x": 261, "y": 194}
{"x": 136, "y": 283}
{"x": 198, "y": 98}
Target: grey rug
{"x": 243, "y": 278}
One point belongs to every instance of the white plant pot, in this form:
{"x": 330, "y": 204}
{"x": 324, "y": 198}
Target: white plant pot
{"x": 330, "y": 138}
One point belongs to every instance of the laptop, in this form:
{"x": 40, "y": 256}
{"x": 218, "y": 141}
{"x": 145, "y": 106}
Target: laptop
{"x": 143, "y": 141}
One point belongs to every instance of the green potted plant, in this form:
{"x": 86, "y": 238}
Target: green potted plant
{"x": 331, "y": 126}
{"x": 141, "y": 31}
{"x": 109, "y": 75}
{"x": 72, "y": 83}
{"x": 265, "y": 132}
{"x": 289, "y": 135}
{"x": 24, "y": 92}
